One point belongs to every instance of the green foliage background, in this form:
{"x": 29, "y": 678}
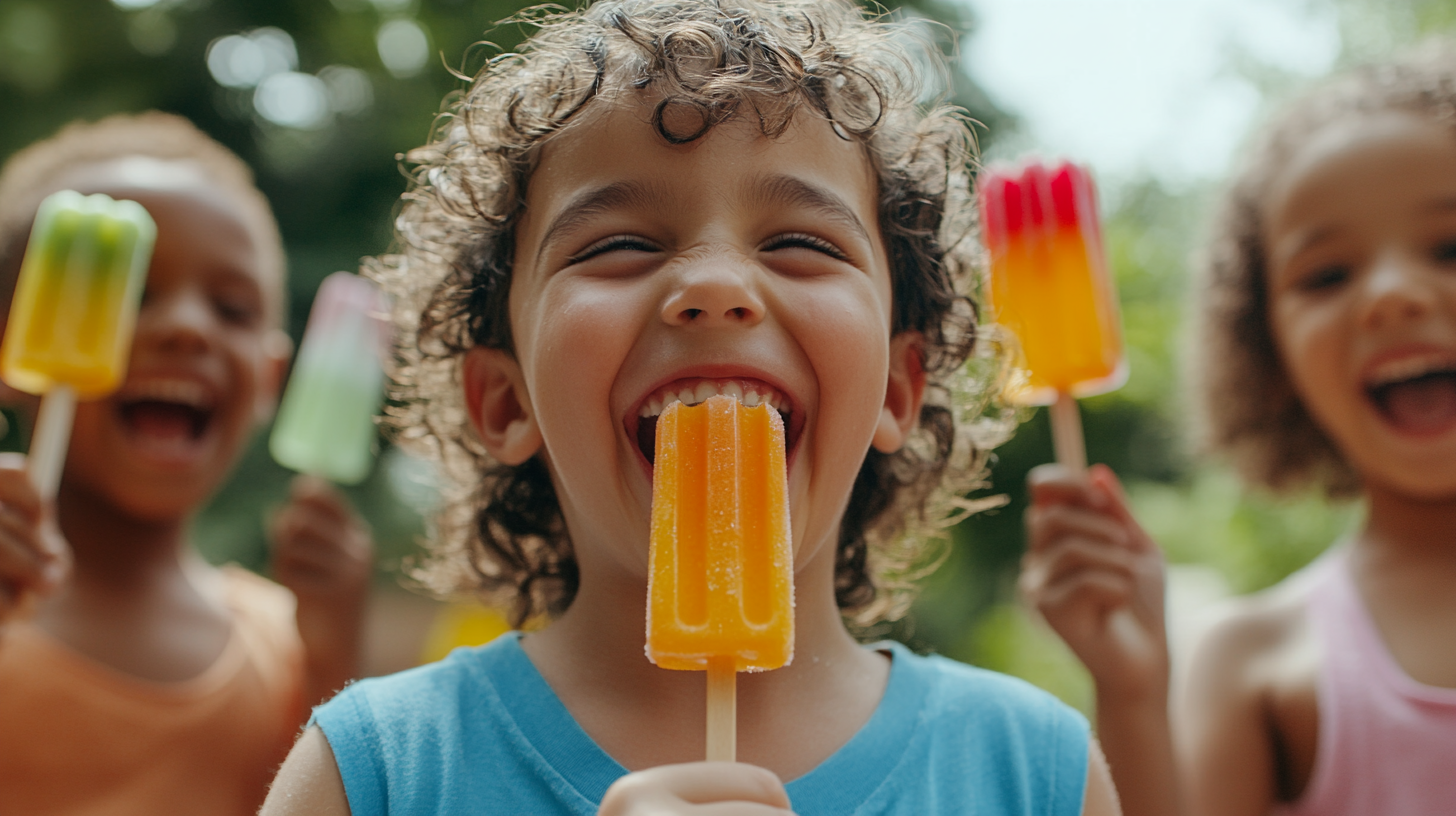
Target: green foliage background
{"x": 334, "y": 188}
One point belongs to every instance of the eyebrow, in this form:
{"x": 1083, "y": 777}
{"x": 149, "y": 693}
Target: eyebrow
{"x": 617, "y": 195}
{"x": 788, "y": 190}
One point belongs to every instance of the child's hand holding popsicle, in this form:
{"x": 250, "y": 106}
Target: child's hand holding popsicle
{"x": 68, "y": 335}
{"x": 1088, "y": 558}
{"x": 1090, "y": 569}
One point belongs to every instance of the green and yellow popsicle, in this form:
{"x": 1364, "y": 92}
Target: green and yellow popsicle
{"x": 74, "y": 313}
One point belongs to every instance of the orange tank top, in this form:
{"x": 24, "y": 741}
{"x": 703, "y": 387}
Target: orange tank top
{"x": 79, "y": 738}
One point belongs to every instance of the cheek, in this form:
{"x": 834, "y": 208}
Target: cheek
{"x": 846, "y": 335}
{"x": 581, "y": 335}
{"x": 1313, "y": 345}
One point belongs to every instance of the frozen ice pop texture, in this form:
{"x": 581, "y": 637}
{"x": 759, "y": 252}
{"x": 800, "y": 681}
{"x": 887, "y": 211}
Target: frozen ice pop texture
{"x": 325, "y": 422}
{"x": 75, "y": 305}
{"x": 720, "y": 584}
{"x": 1049, "y": 279}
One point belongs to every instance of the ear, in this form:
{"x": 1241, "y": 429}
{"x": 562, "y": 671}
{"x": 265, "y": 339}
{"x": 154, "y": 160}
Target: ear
{"x": 277, "y": 351}
{"x": 903, "y": 393}
{"x": 499, "y": 405}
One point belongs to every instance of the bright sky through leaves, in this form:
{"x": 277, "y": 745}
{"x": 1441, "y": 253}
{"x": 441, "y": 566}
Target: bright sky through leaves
{"x": 1135, "y": 86}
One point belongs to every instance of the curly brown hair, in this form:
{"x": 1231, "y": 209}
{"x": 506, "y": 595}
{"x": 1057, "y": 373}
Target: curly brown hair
{"x": 500, "y": 530}
{"x": 1249, "y": 410}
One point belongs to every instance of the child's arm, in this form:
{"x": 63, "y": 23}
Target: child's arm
{"x": 1098, "y": 580}
{"x": 309, "y": 783}
{"x": 727, "y": 788}
{"x": 1227, "y": 731}
{"x": 324, "y": 552}
{"x": 34, "y": 559}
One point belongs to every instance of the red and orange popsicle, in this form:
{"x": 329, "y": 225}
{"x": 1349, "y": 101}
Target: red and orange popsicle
{"x": 1051, "y": 288}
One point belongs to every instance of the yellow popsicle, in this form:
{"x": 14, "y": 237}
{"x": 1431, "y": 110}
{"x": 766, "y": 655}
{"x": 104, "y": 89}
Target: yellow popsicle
{"x": 76, "y": 300}
{"x": 720, "y": 585}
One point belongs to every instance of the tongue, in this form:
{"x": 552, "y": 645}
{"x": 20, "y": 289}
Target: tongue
{"x": 1426, "y": 405}
{"x": 162, "y": 422}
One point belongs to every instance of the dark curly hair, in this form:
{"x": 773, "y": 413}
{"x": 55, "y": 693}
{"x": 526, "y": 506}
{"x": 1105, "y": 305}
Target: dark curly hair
{"x": 1266, "y": 431}
{"x": 500, "y": 530}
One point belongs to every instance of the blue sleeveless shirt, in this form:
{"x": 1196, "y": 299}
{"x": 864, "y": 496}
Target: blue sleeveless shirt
{"x": 481, "y": 732}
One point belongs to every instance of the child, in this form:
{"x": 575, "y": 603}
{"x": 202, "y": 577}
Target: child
{"x": 148, "y": 681}
{"x": 1328, "y": 345}
{"x": 660, "y": 196}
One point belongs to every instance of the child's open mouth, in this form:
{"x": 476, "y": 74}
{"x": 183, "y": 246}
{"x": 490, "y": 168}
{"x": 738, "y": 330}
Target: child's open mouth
{"x": 693, "y": 392}
{"x": 1418, "y": 397}
{"x": 166, "y": 416}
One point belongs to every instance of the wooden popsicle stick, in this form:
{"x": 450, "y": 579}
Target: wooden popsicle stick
{"x": 722, "y": 710}
{"x": 47, "y": 458}
{"x": 1067, "y": 434}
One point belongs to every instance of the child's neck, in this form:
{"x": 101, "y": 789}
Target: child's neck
{"x": 1404, "y": 566}
{"x": 115, "y": 549}
{"x": 1410, "y": 528}
{"x": 139, "y": 599}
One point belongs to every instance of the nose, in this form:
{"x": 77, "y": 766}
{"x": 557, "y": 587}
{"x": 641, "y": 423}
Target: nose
{"x": 714, "y": 290}
{"x": 175, "y": 321}
{"x": 1397, "y": 289}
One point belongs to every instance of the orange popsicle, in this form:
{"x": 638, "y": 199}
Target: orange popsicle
{"x": 1049, "y": 280}
{"x": 720, "y": 586}
{"x": 721, "y": 563}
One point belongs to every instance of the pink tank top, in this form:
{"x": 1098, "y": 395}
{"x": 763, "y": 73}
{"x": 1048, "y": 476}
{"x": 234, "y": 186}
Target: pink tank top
{"x": 1387, "y": 744}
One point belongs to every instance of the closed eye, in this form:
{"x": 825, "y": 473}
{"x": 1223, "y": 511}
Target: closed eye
{"x": 1324, "y": 277}
{"x": 614, "y": 243}
{"x": 803, "y": 240}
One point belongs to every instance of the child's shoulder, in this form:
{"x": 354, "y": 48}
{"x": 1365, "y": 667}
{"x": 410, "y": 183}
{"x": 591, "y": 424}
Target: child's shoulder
{"x": 977, "y": 735}
{"x": 979, "y": 698}
{"x": 1254, "y": 633}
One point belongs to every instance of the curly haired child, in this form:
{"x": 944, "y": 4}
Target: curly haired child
{"x": 1327, "y": 358}
{"x": 657, "y": 197}
{"x": 148, "y": 681}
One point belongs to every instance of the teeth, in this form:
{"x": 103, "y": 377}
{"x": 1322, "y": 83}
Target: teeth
{"x": 746, "y": 393}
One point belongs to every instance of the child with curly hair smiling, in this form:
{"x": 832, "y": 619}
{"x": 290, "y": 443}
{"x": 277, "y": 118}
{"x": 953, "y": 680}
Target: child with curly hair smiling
{"x": 1327, "y": 358}
{"x": 658, "y": 196}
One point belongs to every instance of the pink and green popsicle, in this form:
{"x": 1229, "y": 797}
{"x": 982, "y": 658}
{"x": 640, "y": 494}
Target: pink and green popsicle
{"x": 325, "y": 423}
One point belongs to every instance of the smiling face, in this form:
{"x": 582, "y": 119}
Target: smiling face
{"x": 647, "y": 272}
{"x": 1361, "y": 236}
{"x": 206, "y": 358}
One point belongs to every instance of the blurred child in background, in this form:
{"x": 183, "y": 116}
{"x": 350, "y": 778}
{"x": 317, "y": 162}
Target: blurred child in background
{"x": 147, "y": 681}
{"x": 1327, "y": 357}
{"x": 661, "y": 200}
